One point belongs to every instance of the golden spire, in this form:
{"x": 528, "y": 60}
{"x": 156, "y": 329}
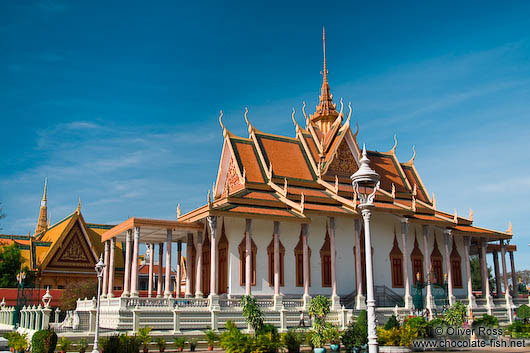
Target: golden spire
{"x": 326, "y": 112}
{"x": 78, "y": 210}
{"x": 325, "y": 72}
{"x": 42, "y": 223}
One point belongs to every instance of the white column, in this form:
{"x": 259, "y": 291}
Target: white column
{"x": 497, "y": 271}
{"x": 112, "y": 268}
{"x": 370, "y": 298}
{"x": 504, "y": 268}
{"x": 484, "y": 266}
{"x": 106, "y": 270}
{"x": 447, "y": 240}
{"x": 514, "y": 275}
{"x": 212, "y": 224}
{"x": 198, "y": 267}
{"x": 159, "y": 283}
{"x": 134, "y": 267}
{"x": 471, "y": 298}
{"x": 151, "y": 263}
{"x": 305, "y": 236}
{"x": 189, "y": 264}
{"x": 127, "y": 274}
{"x": 427, "y": 269}
{"x": 406, "y": 265}
{"x": 179, "y": 269}
{"x": 167, "y": 286}
{"x": 248, "y": 258}
{"x": 335, "y": 300}
{"x": 360, "y": 300}
{"x": 276, "y": 234}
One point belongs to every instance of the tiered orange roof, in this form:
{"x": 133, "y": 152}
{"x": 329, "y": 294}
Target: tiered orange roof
{"x": 293, "y": 178}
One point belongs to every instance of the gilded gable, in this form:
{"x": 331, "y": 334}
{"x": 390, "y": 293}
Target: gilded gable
{"x": 74, "y": 251}
{"x": 343, "y": 164}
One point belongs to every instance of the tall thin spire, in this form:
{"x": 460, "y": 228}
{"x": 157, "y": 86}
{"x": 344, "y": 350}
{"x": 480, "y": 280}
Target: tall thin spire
{"x": 325, "y": 72}
{"x": 42, "y": 223}
{"x": 326, "y": 112}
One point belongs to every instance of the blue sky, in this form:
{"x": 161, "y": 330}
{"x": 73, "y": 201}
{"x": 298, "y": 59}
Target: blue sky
{"x": 117, "y": 102}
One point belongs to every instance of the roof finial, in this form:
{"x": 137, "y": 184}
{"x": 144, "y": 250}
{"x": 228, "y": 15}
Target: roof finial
{"x": 78, "y": 210}
{"x": 178, "y": 210}
{"x": 44, "y": 195}
{"x": 325, "y": 72}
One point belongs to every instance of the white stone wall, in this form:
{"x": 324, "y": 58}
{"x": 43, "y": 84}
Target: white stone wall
{"x": 382, "y": 231}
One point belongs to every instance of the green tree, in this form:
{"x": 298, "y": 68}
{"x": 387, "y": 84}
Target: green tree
{"x": 77, "y": 290}
{"x": 476, "y": 276}
{"x": 252, "y": 312}
{"x": 10, "y": 264}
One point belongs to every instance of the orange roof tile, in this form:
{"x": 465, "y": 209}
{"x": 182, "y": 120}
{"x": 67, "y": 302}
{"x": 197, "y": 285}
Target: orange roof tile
{"x": 413, "y": 179}
{"x": 384, "y": 165}
{"x": 247, "y": 159}
{"x": 287, "y": 157}
{"x": 312, "y": 147}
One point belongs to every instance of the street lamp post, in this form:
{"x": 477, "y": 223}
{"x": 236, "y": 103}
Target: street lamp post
{"x": 21, "y": 276}
{"x": 365, "y": 183}
{"x": 100, "y": 266}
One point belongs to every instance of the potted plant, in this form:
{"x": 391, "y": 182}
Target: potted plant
{"x": 193, "y": 344}
{"x": 180, "y": 342}
{"x": 145, "y": 337}
{"x": 82, "y": 345}
{"x": 64, "y": 344}
{"x": 318, "y": 309}
{"x": 20, "y": 342}
{"x": 161, "y": 343}
{"x": 333, "y": 335}
{"x": 211, "y": 337}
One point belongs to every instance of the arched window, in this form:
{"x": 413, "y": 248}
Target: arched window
{"x": 456, "y": 267}
{"x": 222, "y": 269}
{"x": 270, "y": 254}
{"x": 437, "y": 272}
{"x": 325, "y": 261}
{"x": 396, "y": 264}
{"x": 243, "y": 260}
{"x": 416, "y": 258}
{"x": 299, "y": 257}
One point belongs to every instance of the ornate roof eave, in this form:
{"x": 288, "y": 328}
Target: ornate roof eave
{"x": 410, "y": 164}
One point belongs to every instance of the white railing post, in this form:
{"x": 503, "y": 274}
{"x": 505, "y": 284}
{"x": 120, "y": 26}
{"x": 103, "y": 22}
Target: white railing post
{"x": 283, "y": 319}
{"x": 92, "y": 313}
{"x": 46, "y": 313}
{"x": 344, "y": 317}
{"x": 31, "y": 317}
{"x": 38, "y": 317}
{"x": 214, "y": 318}
{"x": 136, "y": 318}
{"x": 176, "y": 320}
{"x": 56, "y": 318}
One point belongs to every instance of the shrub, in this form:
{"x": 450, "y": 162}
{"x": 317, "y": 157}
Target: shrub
{"x": 64, "y": 344}
{"x": 44, "y": 341}
{"x": 233, "y": 341}
{"x": 292, "y": 340}
{"x": 111, "y": 344}
{"x": 144, "y": 336}
{"x": 523, "y": 312}
{"x": 82, "y": 345}
{"x": 388, "y": 337}
{"x": 486, "y": 321}
{"x": 120, "y": 344}
{"x": 360, "y": 330}
{"x": 161, "y": 344}
{"x": 332, "y": 334}
{"x": 211, "y": 336}
{"x": 408, "y": 335}
{"x": 252, "y": 312}
{"x": 319, "y": 307}
{"x": 180, "y": 342}
{"x": 392, "y": 322}
{"x": 456, "y": 314}
{"x": 193, "y": 344}
{"x": 348, "y": 337}
{"x": 16, "y": 340}
{"x": 419, "y": 324}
